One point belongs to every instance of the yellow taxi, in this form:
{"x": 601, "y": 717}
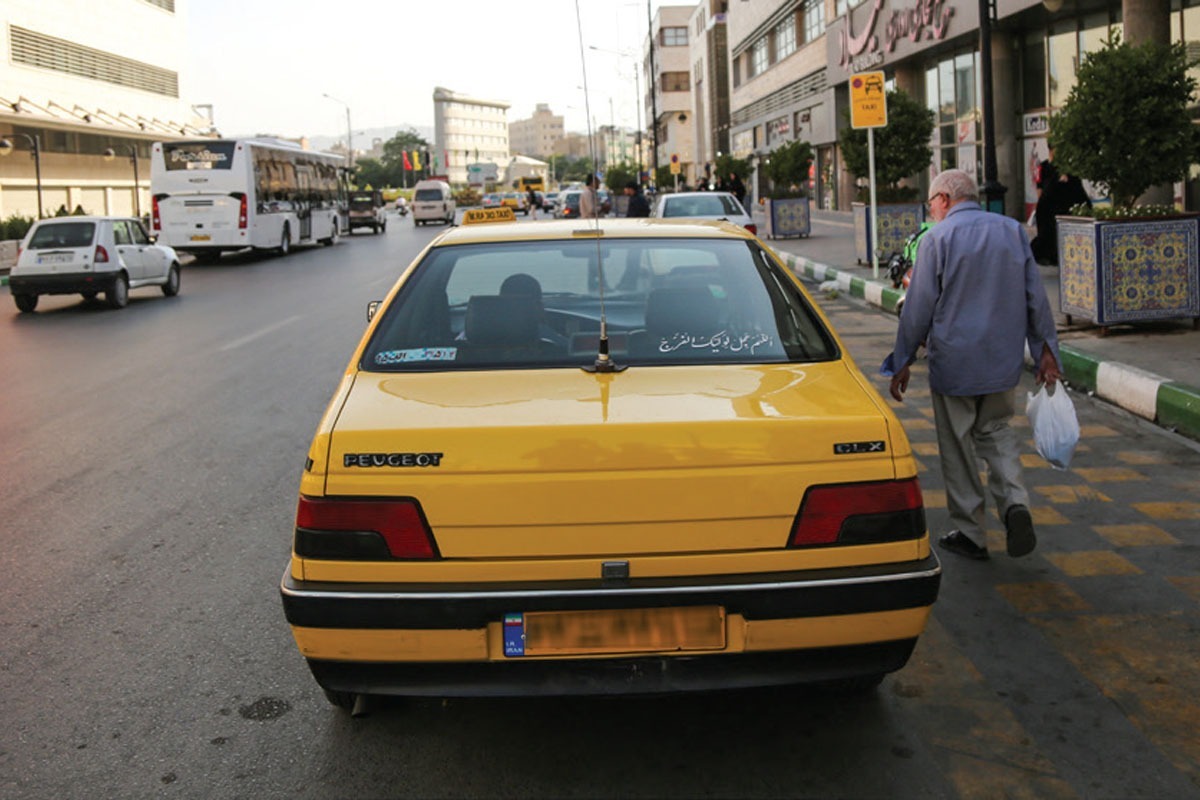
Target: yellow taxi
{"x": 623, "y": 457}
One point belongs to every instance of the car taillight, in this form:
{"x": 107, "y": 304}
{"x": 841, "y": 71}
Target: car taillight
{"x": 752, "y": 228}
{"x": 859, "y": 513}
{"x": 362, "y": 530}
{"x": 101, "y": 255}
{"x": 155, "y": 219}
{"x": 243, "y": 209}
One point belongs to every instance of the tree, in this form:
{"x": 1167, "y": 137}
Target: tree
{"x": 393, "y": 157}
{"x": 727, "y": 164}
{"x": 901, "y": 148}
{"x": 788, "y": 167}
{"x": 619, "y": 174}
{"x": 1125, "y": 124}
{"x": 370, "y": 172}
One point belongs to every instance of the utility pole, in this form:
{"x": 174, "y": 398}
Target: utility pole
{"x": 653, "y": 100}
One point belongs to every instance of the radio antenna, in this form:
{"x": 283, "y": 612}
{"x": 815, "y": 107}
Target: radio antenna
{"x": 603, "y": 362}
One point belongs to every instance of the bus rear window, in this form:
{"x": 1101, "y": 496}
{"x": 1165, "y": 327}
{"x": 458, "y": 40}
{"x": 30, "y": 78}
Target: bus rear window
{"x": 198, "y": 155}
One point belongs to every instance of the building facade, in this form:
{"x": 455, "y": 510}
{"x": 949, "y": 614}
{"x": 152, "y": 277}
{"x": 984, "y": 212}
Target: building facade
{"x": 667, "y": 70}
{"x": 709, "y": 57}
{"x": 467, "y": 130}
{"x": 91, "y": 91}
{"x": 537, "y": 135}
{"x": 790, "y": 77}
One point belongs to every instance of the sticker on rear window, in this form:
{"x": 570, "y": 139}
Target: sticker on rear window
{"x": 418, "y": 354}
{"x": 717, "y": 343}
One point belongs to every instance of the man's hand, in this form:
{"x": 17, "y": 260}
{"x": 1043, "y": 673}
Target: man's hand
{"x": 1048, "y": 371}
{"x": 900, "y": 384}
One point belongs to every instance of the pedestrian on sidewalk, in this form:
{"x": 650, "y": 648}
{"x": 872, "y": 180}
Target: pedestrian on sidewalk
{"x": 976, "y": 299}
{"x": 531, "y": 198}
{"x": 589, "y": 200}
{"x": 638, "y": 207}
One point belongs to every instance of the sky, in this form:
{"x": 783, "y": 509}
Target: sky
{"x": 266, "y": 65}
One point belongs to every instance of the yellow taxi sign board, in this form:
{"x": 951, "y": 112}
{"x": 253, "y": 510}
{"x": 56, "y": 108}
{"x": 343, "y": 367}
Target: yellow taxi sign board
{"x": 868, "y": 101}
{"x": 474, "y": 216}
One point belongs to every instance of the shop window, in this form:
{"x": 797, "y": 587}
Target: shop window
{"x": 1033, "y": 72}
{"x": 1061, "y": 62}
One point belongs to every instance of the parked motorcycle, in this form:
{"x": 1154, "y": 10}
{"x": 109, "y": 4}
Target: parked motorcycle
{"x": 900, "y": 265}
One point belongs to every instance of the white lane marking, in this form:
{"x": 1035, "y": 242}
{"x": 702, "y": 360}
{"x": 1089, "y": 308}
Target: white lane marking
{"x": 259, "y": 333}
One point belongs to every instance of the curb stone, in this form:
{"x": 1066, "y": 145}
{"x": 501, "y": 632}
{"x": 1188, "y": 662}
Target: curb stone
{"x": 1172, "y": 405}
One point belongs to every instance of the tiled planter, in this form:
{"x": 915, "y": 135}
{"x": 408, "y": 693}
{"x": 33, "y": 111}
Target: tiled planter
{"x": 1118, "y": 271}
{"x": 896, "y": 222}
{"x": 788, "y": 217}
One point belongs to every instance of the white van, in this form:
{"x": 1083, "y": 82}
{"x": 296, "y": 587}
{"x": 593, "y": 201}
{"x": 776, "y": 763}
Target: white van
{"x": 431, "y": 202}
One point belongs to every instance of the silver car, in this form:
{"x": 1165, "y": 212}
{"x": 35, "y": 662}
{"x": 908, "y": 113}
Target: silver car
{"x": 704, "y": 205}
{"x": 89, "y": 255}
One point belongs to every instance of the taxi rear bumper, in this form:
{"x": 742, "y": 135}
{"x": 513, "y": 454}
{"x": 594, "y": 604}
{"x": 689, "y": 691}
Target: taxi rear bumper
{"x": 784, "y": 628}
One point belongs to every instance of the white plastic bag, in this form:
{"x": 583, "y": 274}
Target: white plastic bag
{"x": 1055, "y": 426}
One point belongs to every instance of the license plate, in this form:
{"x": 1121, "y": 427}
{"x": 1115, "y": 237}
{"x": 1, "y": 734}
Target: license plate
{"x": 201, "y": 237}
{"x": 56, "y": 258}
{"x": 632, "y": 630}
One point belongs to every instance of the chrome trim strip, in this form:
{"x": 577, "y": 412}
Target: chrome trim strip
{"x": 630, "y": 591}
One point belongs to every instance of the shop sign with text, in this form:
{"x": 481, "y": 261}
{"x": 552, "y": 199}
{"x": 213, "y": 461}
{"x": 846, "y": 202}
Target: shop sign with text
{"x": 880, "y": 32}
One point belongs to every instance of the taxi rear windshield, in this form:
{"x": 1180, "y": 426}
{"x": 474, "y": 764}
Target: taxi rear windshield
{"x": 706, "y": 205}
{"x": 428, "y": 195}
{"x": 62, "y": 234}
{"x": 538, "y": 305}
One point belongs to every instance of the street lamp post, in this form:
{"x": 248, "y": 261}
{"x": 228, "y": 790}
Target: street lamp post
{"x": 110, "y": 154}
{"x": 349, "y": 132}
{"x": 653, "y": 89}
{"x": 35, "y": 142}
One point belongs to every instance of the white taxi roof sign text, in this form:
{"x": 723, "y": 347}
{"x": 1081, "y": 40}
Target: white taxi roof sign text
{"x": 475, "y": 216}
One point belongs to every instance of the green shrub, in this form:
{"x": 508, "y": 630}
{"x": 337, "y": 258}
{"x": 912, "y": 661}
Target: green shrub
{"x": 788, "y": 167}
{"x": 15, "y": 227}
{"x": 1125, "y": 125}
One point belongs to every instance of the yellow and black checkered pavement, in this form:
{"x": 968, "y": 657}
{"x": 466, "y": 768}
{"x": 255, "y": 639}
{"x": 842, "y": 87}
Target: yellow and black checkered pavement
{"x": 1074, "y": 672}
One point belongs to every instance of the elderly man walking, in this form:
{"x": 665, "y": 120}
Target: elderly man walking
{"x": 976, "y": 300}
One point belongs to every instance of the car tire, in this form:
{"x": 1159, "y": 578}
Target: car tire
{"x": 117, "y": 295}
{"x": 285, "y": 241}
{"x": 26, "y": 303}
{"x": 171, "y": 287}
{"x": 343, "y": 700}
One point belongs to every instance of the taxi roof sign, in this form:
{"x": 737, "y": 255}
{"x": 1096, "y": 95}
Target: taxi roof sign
{"x": 868, "y": 100}
{"x": 475, "y": 216}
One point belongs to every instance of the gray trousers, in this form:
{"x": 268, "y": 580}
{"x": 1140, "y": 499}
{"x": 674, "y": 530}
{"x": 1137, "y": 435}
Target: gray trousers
{"x": 969, "y": 429}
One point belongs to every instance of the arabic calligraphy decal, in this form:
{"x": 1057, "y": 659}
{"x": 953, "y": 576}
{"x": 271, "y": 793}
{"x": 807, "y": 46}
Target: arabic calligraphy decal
{"x": 721, "y": 342}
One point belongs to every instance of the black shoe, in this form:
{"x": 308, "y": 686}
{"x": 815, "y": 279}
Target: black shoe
{"x": 961, "y": 544}
{"x": 1019, "y": 526}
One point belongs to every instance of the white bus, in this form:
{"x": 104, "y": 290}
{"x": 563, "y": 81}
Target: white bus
{"x": 214, "y": 195}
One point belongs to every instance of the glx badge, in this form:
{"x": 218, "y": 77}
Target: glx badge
{"x": 851, "y": 448}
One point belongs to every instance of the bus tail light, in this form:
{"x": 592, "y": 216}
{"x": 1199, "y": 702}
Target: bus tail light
{"x": 243, "y": 210}
{"x": 859, "y": 513}
{"x": 101, "y": 256}
{"x": 155, "y": 217}
{"x": 362, "y": 530}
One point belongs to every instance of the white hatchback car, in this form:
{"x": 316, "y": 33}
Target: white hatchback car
{"x": 89, "y": 255}
{"x": 704, "y": 205}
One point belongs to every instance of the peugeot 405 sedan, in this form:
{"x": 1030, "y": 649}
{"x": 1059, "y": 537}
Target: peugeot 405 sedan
{"x": 623, "y": 457}
{"x": 90, "y": 255}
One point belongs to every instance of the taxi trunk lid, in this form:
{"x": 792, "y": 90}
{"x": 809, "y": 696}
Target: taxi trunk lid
{"x": 652, "y": 460}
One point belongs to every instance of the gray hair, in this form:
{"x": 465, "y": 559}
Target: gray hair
{"x": 955, "y": 184}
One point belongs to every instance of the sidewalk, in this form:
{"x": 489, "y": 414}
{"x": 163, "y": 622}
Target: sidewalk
{"x": 1151, "y": 369}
